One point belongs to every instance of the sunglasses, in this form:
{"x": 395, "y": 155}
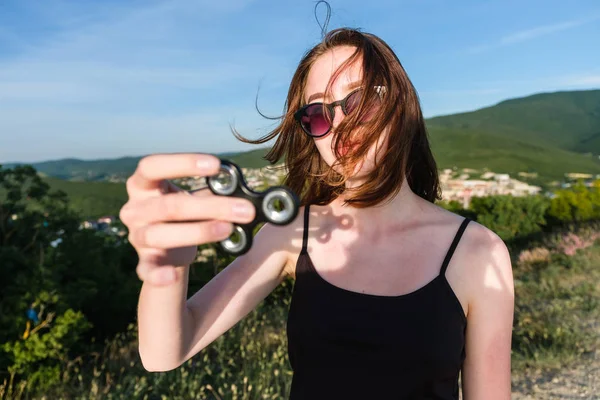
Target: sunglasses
{"x": 316, "y": 118}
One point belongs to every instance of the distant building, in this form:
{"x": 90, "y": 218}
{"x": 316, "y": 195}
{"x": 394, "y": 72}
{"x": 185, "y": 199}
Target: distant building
{"x": 577, "y": 175}
{"x": 528, "y": 174}
{"x": 205, "y": 254}
{"x": 89, "y": 224}
{"x": 109, "y": 219}
{"x": 462, "y": 190}
{"x": 502, "y": 178}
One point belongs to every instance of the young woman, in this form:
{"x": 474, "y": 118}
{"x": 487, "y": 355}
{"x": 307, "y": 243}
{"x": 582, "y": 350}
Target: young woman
{"x": 394, "y": 295}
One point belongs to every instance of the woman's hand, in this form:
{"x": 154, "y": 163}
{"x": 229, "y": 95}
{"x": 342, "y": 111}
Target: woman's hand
{"x": 167, "y": 223}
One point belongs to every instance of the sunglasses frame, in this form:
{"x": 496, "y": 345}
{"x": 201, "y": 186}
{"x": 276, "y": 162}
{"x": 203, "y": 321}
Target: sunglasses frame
{"x": 330, "y": 108}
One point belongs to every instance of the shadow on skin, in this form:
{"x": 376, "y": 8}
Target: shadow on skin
{"x": 478, "y": 255}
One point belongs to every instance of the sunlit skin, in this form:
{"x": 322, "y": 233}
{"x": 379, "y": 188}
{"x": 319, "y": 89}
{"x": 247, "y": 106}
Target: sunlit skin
{"x": 398, "y": 247}
{"x": 318, "y": 77}
{"x": 389, "y": 249}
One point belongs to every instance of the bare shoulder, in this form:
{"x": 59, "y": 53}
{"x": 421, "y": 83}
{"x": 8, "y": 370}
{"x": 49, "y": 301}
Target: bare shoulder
{"x": 486, "y": 267}
{"x": 480, "y": 267}
{"x": 284, "y": 238}
{"x": 486, "y": 264}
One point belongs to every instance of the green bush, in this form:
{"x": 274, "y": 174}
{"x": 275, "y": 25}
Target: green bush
{"x": 85, "y": 293}
{"x": 556, "y": 299}
{"x": 247, "y": 362}
{"x": 45, "y": 348}
{"x": 576, "y": 204}
{"x": 510, "y": 216}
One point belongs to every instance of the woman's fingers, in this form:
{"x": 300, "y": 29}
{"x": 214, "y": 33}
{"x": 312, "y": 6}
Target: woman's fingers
{"x": 154, "y": 169}
{"x": 182, "y": 206}
{"x": 174, "y": 235}
{"x": 167, "y": 223}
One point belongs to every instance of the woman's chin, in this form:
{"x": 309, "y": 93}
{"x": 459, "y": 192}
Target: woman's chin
{"x": 357, "y": 173}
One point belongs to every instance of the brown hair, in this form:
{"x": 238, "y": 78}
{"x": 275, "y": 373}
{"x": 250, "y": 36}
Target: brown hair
{"x": 408, "y": 152}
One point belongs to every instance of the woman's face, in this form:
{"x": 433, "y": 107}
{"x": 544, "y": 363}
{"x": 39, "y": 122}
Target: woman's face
{"x": 350, "y": 78}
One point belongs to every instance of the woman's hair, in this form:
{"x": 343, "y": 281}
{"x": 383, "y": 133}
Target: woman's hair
{"x": 408, "y": 153}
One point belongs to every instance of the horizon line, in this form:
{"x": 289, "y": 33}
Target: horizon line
{"x": 2, "y": 163}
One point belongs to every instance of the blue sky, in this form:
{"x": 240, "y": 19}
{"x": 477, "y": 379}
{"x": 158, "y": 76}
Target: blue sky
{"x": 102, "y": 79}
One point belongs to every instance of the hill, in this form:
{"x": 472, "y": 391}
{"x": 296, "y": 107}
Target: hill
{"x": 95, "y": 199}
{"x": 92, "y": 199}
{"x": 565, "y": 120}
{"x": 547, "y": 133}
{"x": 118, "y": 169}
{"x": 477, "y": 148}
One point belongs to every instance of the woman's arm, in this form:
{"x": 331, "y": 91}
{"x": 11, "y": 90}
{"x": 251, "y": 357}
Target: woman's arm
{"x": 239, "y": 288}
{"x": 217, "y": 306}
{"x": 486, "y": 372}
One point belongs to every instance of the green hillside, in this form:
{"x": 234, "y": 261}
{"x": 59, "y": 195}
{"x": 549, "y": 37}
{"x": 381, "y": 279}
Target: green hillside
{"x": 86, "y": 170}
{"x": 118, "y": 169}
{"x": 251, "y": 159}
{"x": 92, "y": 199}
{"x": 549, "y": 133}
{"x": 472, "y": 148}
{"x": 566, "y": 120}
{"x": 95, "y": 199}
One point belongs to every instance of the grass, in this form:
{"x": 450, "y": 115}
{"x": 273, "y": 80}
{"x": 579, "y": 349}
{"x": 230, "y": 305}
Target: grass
{"x": 247, "y": 362}
{"x": 557, "y": 298}
{"x": 92, "y": 199}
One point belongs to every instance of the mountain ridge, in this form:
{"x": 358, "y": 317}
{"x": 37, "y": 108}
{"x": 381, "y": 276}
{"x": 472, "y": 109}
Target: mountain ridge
{"x": 550, "y": 133}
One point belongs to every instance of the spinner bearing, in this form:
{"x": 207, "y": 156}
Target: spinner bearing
{"x": 277, "y": 205}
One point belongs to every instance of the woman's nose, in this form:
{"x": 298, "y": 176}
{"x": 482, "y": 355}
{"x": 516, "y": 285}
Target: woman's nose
{"x": 338, "y": 116}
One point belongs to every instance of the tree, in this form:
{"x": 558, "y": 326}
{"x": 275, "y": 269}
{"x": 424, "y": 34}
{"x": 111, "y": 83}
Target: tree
{"x": 577, "y": 204}
{"x": 510, "y": 216}
{"x": 58, "y": 283}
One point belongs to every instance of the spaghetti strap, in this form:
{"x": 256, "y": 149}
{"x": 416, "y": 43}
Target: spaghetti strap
{"x": 457, "y": 237}
{"x": 305, "y": 235}
{"x": 363, "y": 338}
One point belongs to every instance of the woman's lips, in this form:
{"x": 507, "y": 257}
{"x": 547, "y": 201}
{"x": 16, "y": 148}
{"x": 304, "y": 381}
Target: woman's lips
{"x": 345, "y": 149}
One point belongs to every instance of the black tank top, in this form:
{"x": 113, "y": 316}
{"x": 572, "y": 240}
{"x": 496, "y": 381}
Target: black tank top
{"x": 348, "y": 345}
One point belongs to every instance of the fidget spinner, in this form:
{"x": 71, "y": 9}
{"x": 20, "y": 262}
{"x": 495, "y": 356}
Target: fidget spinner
{"x": 277, "y": 205}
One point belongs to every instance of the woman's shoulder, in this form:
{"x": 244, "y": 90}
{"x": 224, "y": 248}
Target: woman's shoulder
{"x": 489, "y": 263}
{"x": 482, "y": 259}
{"x": 289, "y": 238}
{"x": 475, "y": 235}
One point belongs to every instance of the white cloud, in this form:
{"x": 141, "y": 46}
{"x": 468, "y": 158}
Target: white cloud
{"x": 543, "y": 31}
{"x": 581, "y": 80}
{"x": 126, "y": 78}
{"x": 73, "y": 81}
{"x": 533, "y": 33}
{"x": 96, "y": 134}
{"x": 55, "y": 92}
{"x": 460, "y": 92}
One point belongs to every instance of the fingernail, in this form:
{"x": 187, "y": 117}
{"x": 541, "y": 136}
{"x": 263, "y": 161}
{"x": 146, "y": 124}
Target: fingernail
{"x": 208, "y": 164}
{"x": 222, "y": 228}
{"x": 242, "y": 210}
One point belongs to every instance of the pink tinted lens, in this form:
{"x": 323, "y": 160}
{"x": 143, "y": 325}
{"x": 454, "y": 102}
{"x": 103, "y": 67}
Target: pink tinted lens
{"x": 353, "y": 101}
{"x": 314, "y": 121}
